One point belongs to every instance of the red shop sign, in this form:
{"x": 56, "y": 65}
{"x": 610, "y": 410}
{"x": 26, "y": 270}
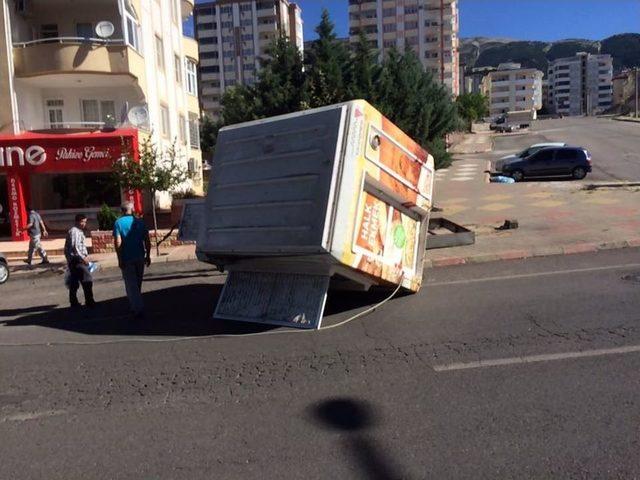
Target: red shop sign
{"x": 43, "y": 153}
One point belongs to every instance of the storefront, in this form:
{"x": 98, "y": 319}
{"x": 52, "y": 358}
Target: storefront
{"x": 60, "y": 175}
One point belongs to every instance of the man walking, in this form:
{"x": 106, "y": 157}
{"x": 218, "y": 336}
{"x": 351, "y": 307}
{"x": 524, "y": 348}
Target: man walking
{"x": 36, "y": 230}
{"x": 75, "y": 251}
{"x": 133, "y": 247}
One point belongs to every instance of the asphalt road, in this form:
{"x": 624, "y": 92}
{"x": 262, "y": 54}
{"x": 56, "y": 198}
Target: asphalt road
{"x": 614, "y": 145}
{"x": 522, "y": 369}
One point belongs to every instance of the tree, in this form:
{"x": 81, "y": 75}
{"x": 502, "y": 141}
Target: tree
{"x": 155, "y": 171}
{"x": 208, "y": 136}
{"x": 472, "y": 107}
{"x": 281, "y": 83}
{"x": 363, "y": 70}
{"x": 327, "y": 61}
{"x": 410, "y": 98}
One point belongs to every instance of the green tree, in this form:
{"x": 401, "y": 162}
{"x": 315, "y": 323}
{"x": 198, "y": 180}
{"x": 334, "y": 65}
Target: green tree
{"x": 410, "y": 98}
{"x": 208, "y": 136}
{"x": 154, "y": 171}
{"x": 363, "y": 70}
{"x": 472, "y": 107}
{"x": 281, "y": 83}
{"x": 327, "y": 61}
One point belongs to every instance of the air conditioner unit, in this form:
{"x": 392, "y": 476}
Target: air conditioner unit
{"x": 191, "y": 166}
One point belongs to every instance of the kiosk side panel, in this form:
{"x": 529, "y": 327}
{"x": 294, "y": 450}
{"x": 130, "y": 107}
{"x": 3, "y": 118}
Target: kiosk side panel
{"x": 270, "y": 186}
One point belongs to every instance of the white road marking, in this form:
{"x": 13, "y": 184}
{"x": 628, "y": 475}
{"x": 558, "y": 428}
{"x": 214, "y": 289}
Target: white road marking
{"x": 548, "y": 357}
{"x": 23, "y": 417}
{"x": 461, "y": 179}
{"x": 533, "y": 275}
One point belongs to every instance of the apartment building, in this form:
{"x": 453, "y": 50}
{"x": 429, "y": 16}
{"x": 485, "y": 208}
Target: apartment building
{"x": 581, "y": 85}
{"x": 80, "y": 82}
{"x": 429, "y": 27}
{"x": 513, "y": 89}
{"x": 233, "y": 36}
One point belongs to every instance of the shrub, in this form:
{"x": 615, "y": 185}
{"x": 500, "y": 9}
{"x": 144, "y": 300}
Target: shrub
{"x": 106, "y": 217}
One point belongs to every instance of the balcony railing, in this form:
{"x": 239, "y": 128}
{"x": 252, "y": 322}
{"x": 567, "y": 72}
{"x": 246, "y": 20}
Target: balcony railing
{"x": 71, "y": 40}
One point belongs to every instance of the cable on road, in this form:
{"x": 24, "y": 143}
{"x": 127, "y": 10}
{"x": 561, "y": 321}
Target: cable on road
{"x": 202, "y": 337}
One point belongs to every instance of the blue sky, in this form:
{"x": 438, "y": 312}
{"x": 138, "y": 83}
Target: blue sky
{"x": 517, "y": 19}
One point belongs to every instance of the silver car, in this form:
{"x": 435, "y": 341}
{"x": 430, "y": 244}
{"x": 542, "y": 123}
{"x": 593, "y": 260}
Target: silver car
{"x": 524, "y": 154}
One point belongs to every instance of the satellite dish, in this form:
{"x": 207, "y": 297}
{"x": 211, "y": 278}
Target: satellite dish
{"x": 105, "y": 29}
{"x": 138, "y": 116}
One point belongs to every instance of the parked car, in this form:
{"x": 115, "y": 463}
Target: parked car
{"x": 525, "y": 153}
{"x": 550, "y": 162}
{"x": 4, "y": 269}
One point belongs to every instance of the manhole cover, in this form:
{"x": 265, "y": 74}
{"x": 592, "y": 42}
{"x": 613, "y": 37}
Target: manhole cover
{"x": 632, "y": 277}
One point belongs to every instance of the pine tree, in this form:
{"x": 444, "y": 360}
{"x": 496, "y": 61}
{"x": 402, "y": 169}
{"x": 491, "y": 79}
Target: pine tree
{"x": 281, "y": 86}
{"x": 363, "y": 70}
{"x": 327, "y": 62}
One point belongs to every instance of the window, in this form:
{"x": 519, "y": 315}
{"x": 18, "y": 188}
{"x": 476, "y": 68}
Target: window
{"x": 95, "y": 112}
{"x": 410, "y": 25}
{"x": 544, "y": 155}
{"x": 159, "y": 53}
{"x": 192, "y": 79}
{"x": 389, "y": 27}
{"x": 226, "y": 24}
{"x": 249, "y": 66}
{"x": 164, "y": 121}
{"x": 245, "y": 7}
{"x": 246, "y": 22}
{"x": 194, "y": 131}
{"x": 566, "y": 154}
{"x": 209, "y": 69}
{"x": 178, "y": 66}
{"x": 49, "y": 30}
{"x": 183, "y": 130}
{"x": 389, "y": 12}
{"x": 84, "y": 30}
{"x": 208, "y": 55}
{"x": 409, "y": 10}
{"x": 227, "y": 9}
{"x": 55, "y": 113}
{"x": 132, "y": 27}
{"x": 247, "y": 37}
{"x": 230, "y": 68}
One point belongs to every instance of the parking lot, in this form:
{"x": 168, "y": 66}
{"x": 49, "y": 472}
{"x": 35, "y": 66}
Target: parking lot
{"x": 614, "y": 146}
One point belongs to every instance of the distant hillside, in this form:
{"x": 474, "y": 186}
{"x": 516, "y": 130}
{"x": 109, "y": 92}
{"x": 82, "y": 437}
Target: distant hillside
{"x": 488, "y": 52}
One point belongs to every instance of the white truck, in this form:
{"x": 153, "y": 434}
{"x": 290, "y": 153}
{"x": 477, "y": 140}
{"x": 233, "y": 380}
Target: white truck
{"x": 512, "y": 121}
{"x": 336, "y": 195}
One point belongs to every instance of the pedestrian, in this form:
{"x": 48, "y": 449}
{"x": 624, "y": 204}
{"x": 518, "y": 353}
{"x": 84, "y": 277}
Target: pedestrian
{"x": 75, "y": 251}
{"x": 36, "y": 230}
{"x": 133, "y": 247}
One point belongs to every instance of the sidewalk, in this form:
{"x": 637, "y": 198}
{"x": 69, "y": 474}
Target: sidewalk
{"x": 555, "y": 217}
{"x": 17, "y": 251}
{"x": 479, "y": 142}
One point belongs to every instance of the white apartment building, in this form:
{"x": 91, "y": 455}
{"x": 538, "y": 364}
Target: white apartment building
{"x": 80, "y": 81}
{"x": 581, "y": 85}
{"x": 513, "y": 89}
{"x": 429, "y": 27}
{"x": 233, "y": 35}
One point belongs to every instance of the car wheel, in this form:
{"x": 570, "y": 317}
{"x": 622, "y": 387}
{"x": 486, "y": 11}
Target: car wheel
{"x": 579, "y": 173}
{"x": 517, "y": 175}
{"x": 4, "y": 273}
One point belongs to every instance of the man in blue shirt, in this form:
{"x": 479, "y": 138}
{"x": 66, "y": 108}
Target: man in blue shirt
{"x": 133, "y": 246}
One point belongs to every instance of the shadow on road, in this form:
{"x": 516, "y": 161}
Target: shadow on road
{"x": 354, "y": 417}
{"x": 185, "y": 310}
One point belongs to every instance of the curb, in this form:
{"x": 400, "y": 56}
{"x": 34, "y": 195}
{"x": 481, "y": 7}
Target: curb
{"x": 59, "y": 267}
{"x": 628, "y": 119}
{"x": 569, "y": 249}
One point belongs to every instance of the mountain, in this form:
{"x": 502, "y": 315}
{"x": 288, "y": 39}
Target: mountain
{"x": 489, "y": 52}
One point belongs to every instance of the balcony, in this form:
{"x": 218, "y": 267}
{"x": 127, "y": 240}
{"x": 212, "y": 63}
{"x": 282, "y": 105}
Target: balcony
{"x": 74, "y": 55}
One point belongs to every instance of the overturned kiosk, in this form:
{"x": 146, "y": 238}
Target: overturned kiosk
{"x": 334, "y": 197}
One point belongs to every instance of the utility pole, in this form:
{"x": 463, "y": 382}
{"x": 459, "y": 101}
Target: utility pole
{"x": 636, "y": 79}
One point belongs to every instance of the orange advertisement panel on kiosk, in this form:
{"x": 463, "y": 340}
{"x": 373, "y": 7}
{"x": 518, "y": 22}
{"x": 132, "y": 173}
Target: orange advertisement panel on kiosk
{"x": 27, "y": 157}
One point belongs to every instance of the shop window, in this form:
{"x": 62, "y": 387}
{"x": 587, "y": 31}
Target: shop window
{"x": 164, "y": 121}
{"x": 55, "y": 115}
{"x": 73, "y": 190}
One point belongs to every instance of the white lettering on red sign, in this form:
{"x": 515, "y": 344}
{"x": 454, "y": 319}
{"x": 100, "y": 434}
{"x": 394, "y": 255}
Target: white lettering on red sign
{"x": 34, "y": 155}
{"x": 85, "y": 154}
{"x": 15, "y": 205}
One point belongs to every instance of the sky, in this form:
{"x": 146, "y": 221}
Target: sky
{"x": 545, "y": 20}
